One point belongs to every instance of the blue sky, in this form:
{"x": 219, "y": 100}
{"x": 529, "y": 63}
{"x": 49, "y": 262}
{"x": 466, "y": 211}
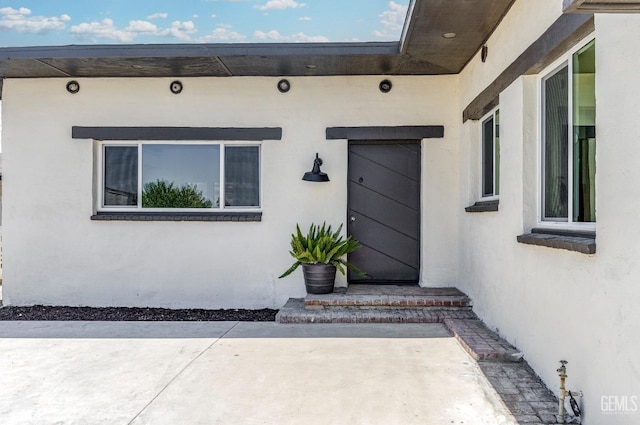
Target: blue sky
{"x": 61, "y": 22}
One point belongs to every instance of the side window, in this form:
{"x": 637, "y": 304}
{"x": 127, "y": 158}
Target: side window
{"x": 569, "y": 140}
{"x": 180, "y": 176}
{"x": 491, "y": 155}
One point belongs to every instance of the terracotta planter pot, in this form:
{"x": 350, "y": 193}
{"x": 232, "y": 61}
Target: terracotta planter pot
{"x": 319, "y": 278}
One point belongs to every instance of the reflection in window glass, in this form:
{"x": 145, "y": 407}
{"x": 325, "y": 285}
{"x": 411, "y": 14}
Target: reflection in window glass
{"x": 491, "y": 155}
{"x": 180, "y": 176}
{"x": 569, "y": 144}
{"x": 556, "y": 118}
{"x": 487, "y": 157}
{"x": 120, "y": 175}
{"x": 242, "y": 176}
{"x": 496, "y": 154}
{"x": 584, "y": 134}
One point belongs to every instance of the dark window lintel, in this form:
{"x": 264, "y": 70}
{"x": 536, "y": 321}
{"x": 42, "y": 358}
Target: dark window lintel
{"x": 563, "y": 34}
{"x": 177, "y": 133}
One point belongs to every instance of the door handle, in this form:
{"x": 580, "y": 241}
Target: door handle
{"x": 353, "y": 219}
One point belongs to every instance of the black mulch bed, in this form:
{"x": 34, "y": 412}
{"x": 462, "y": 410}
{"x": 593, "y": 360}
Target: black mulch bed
{"x": 39, "y": 312}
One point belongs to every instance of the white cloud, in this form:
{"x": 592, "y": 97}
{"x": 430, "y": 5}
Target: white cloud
{"x": 214, "y": 16}
{"x": 180, "y": 30}
{"x": 270, "y": 35}
{"x": 394, "y": 17}
{"x": 304, "y": 38}
{"x": 105, "y": 29}
{"x": 161, "y": 15}
{"x": 304, "y": 18}
{"x": 392, "y": 20}
{"x": 222, "y": 33}
{"x": 196, "y": 16}
{"x": 300, "y": 37}
{"x": 141, "y": 27}
{"x": 20, "y": 20}
{"x": 9, "y": 11}
{"x": 280, "y": 5}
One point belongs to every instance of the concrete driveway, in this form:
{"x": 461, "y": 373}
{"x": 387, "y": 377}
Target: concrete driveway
{"x": 120, "y": 373}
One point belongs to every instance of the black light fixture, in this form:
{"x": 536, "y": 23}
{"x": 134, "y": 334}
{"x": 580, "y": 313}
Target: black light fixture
{"x": 284, "y": 86}
{"x": 73, "y": 87}
{"x": 385, "y": 86}
{"x": 483, "y": 53}
{"x": 315, "y": 175}
{"x": 175, "y": 87}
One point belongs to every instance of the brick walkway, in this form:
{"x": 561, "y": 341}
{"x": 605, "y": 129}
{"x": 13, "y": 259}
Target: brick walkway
{"x": 522, "y": 392}
{"x": 517, "y": 385}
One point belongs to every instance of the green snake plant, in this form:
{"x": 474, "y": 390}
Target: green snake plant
{"x": 322, "y": 245}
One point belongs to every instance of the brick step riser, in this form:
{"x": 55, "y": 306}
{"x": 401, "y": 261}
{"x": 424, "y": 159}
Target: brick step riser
{"x": 386, "y": 303}
{"x": 293, "y": 314}
{"x": 314, "y": 307}
{"x": 297, "y": 320}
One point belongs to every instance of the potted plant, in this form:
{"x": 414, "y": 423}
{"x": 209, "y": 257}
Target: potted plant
{"x": 321, "y": 252}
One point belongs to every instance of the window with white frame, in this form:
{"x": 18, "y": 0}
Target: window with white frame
{"x": 179, "y": 176}
{"x": 491, "y": 155}
{"x": 568, "y": 142}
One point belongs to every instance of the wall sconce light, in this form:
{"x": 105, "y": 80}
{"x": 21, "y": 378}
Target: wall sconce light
{"x": 284, "y": 86}
{"x": 385, "y": 86}
{"x": 175, "y": 87}
{"x": 484, "y": 52}
{"x": 73, "y": 87}
{"x": 315, "y": 175}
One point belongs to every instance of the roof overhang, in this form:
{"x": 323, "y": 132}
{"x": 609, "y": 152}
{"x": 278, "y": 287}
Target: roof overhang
{"x": 422, "y": 50}
{"x": 601, "y": 6}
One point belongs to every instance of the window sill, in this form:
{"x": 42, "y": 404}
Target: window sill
{"x": 178, "y": 216}
{"x": 583, "y": 242}
{"x": 483, "y": 206}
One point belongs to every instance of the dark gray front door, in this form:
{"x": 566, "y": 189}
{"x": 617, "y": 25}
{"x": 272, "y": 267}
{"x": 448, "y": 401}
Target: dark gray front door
{"x": 384, "y": 210}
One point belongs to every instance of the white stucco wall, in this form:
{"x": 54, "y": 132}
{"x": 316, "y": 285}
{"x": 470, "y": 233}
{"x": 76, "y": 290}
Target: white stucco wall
{"x": 555, "y": 304}
{"x": 552, "y": 304}
{"x": 54, "y": 254}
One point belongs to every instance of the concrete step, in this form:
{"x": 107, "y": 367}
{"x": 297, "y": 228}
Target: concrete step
{"x": 294, "y": 311}
{"x": 363, "y": 296}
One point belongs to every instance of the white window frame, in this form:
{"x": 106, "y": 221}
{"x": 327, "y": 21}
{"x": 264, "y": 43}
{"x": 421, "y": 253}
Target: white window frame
{"x": 138, "y": 208}
{"x": 488, "y": 116}
{"x": 565, "y": 60}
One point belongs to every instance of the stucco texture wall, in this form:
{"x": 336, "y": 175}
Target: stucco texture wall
{"x": 555, "y": 304}
{"x": 54, "y": 254}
